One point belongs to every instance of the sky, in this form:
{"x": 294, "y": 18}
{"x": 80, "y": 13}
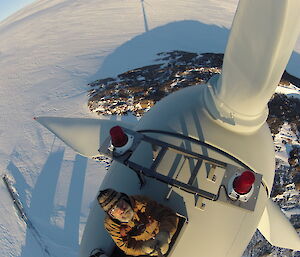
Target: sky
{"x": 8, "y": 7}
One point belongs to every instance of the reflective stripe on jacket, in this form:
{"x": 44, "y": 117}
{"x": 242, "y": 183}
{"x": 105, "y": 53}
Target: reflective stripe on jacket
{"x": 149, "y": 218}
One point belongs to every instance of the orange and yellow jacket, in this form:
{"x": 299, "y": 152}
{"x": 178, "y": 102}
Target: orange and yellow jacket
{"x": 149, "y": 218}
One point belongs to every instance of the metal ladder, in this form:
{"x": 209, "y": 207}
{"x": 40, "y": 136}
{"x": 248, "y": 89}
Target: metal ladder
{"x": 161, "y": 148}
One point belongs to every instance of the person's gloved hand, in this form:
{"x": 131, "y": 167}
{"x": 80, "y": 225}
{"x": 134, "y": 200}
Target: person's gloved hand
{"x": 163, "y": 237}
{"x": 148, "y": 247}
{"x": 162, "y": 241}
{"x": 164, "y": 248}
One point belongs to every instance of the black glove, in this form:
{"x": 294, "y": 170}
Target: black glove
{"x": 162, "y": 241}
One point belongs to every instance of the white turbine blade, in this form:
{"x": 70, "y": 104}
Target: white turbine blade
{"x": 83, "y": 135}
{"x": 261, "y": 41}
{"x": 277, "y": 229}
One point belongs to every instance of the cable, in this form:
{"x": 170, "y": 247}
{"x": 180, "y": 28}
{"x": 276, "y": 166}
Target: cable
{"x": 197, "y": 142}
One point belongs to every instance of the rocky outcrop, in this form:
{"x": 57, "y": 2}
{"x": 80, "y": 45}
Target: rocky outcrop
{"x": 137, "y": 90}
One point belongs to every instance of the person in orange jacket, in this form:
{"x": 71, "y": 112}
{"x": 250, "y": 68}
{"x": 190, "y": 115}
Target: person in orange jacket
{"x": 138, "y": 225}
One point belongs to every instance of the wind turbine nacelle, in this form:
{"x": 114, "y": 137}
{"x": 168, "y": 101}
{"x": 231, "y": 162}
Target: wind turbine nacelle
{"x": 211, "y": 222}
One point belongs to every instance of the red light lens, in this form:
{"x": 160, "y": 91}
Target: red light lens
{"x": 243, "y": 183}
{"x": 118, "y": 137}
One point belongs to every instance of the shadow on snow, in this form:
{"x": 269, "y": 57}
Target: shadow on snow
{"x": 142, "y": 50}
{"x": 42, "y": 206}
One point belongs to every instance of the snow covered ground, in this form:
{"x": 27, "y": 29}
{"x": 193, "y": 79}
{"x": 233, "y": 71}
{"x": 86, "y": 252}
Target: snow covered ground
{"x": 49, "y": 51}
{"x": 290, "y": 90}
{"x": 284, "y": 141}
{"x": 286, "y": 138}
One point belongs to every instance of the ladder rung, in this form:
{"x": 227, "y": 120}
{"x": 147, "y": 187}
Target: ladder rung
{"x": 159, "y": 157}
{"x": 184, "y": 152}
{"x": 195, "y": 172}
{"x": 173, "y": 182}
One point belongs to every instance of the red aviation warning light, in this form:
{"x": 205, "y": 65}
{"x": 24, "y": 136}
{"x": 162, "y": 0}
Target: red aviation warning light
{"x": 118, "y": 137}
{"x": 243, "y": 183}
{"x": 242, "y": 186}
